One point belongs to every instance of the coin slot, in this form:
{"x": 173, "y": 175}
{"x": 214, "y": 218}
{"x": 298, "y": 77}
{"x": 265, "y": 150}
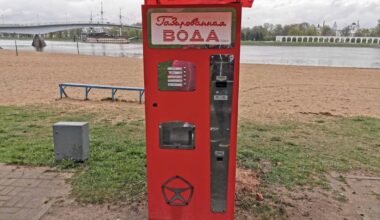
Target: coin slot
{"x": 221, "y": 84}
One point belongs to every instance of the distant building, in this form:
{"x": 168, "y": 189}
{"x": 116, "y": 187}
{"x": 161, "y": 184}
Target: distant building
{"x": 337, "y": 32}
{"x": 319, "y": 30}
{"x": 354, "y": 28}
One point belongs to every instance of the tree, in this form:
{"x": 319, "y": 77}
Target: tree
{"x": 278, "y": 30}
{"x": 376, "y": 30}
{"x": 295, "y": 31}
{"x": 346, "y": 31}
{"x": 303, "y": 27}
{"x": 269, "y": 31}
{"x": 245, "y": 34}
{"x": 327, "y": 31}
{"x": 311, "y": 31}
{"x": 363, "y": 33}
{"x": 259, "y": 33}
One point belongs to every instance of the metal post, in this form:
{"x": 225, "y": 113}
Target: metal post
{"x": 78, "y": 46}
{"x": 16, "y": 47}
{"x": 87, "y": 90}
{"x": 113, "y": 94}
{"x": 141, "y": 95}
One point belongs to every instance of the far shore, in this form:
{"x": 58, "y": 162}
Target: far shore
{"x": 301, "y": 44}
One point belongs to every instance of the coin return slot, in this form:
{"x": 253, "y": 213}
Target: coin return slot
{"x": 219, "y": 156}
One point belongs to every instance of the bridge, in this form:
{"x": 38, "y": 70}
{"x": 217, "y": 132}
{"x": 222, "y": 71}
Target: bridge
{"x": 38, "y": 29}
{"x": 329, "y": 39}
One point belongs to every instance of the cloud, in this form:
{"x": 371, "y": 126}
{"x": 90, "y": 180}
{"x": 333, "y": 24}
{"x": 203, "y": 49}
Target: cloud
{"x": 343, "y": 12}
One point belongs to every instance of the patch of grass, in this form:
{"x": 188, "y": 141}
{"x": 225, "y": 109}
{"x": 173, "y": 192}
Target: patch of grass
{"x": 116, "y": 166}
{"x": 26, "y": 136}
{"x": 342, "y": 179}
{"x": 289, "y": 153}
{"x": 302, "y": 153}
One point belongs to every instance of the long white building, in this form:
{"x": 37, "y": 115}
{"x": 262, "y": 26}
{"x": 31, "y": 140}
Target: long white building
{"x": 329, "y": 39}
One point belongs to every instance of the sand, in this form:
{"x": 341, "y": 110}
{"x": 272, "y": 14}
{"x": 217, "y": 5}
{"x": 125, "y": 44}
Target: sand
{"x": 33, "y": 78}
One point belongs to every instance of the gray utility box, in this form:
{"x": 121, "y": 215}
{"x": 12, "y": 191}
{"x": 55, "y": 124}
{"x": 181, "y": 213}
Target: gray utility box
{"x": 71, "y": 140}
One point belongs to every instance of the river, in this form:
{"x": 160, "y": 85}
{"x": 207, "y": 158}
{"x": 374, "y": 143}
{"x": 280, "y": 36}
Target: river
{"x": 282, "y": 55}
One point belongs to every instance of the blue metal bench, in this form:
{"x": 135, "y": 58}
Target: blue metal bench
{"x": 88, "y": 87}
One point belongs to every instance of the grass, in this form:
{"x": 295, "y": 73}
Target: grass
{"x": 289, "y": 153}
{"x": 301, "y": 153}
{"x": 115, "y": 169}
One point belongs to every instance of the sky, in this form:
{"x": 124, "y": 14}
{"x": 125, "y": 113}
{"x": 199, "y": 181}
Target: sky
{"x": 344, "y": 12}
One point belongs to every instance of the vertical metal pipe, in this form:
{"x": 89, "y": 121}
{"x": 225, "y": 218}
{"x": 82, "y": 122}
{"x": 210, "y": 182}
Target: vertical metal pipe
{"x": 78, "y": 46}
{"x": 16, "y": 47}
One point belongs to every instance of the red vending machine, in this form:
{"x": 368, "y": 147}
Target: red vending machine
{"x": 191, "y": 73}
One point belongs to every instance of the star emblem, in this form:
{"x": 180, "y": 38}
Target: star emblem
{"x": 177, "y": 191}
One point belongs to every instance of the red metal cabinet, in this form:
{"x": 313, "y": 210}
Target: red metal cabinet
{"x": 191, "y": 74}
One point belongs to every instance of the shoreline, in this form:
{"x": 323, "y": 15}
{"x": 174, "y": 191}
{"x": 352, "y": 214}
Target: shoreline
{"x": 137, "y": 57}
{"x": 250, "y": 43}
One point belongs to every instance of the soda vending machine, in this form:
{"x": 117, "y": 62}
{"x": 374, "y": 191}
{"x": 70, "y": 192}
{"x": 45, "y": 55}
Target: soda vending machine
{"x": 191, "y": 73}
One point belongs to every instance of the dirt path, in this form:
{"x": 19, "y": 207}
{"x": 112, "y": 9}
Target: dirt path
{"x": 69, "y": 210}
{"x": 352, "y": 197}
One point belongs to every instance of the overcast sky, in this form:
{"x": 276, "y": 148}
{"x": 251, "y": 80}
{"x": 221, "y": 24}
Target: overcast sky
{"x": 344, "y": 12}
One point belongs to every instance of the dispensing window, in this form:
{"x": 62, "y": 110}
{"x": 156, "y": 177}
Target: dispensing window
{"x": 177, "y": 135}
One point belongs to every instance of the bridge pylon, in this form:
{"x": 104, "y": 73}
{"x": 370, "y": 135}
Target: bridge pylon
{"x": 38, "y": 42}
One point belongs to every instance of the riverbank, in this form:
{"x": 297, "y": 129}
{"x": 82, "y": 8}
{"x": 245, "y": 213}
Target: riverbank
{"x": 301, "y": 44}
{"x": 33, "y": 78}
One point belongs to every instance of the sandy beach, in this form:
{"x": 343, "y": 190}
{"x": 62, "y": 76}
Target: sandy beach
{"x": 33, "y": 78}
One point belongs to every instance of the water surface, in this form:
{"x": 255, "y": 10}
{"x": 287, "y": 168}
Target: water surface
{"x": 284, "y": 55}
